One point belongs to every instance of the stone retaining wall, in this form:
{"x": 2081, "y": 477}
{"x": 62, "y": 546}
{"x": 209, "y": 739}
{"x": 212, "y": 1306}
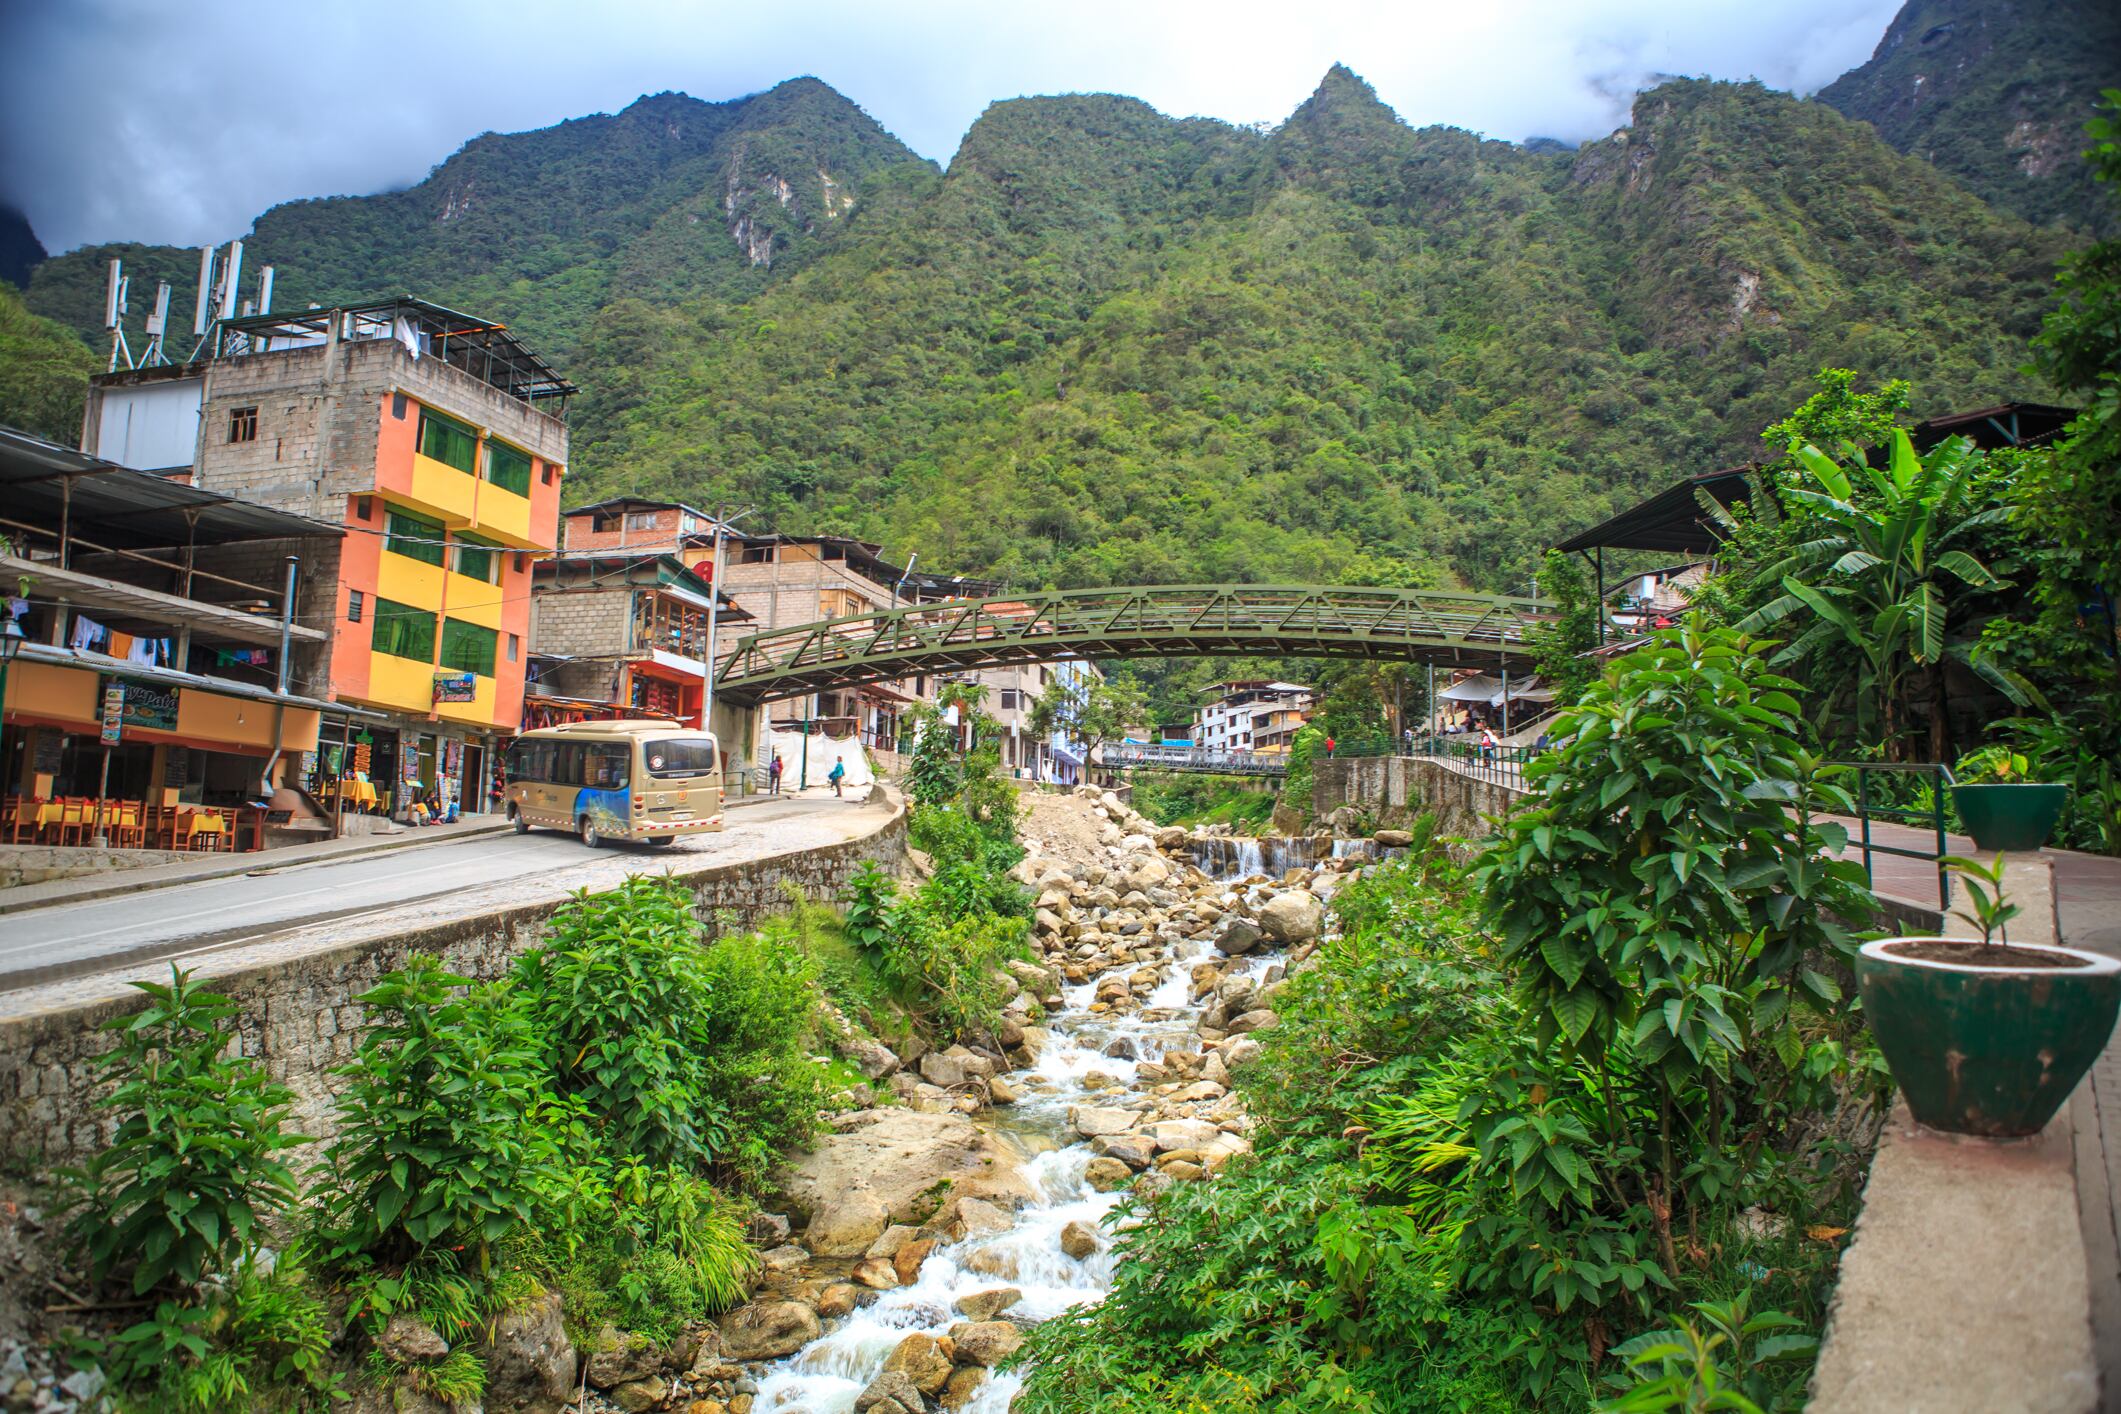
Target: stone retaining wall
{"x": 299, "y": 1015}
{"x": 41, "y": 863}
{"x": 1393, "y": 790}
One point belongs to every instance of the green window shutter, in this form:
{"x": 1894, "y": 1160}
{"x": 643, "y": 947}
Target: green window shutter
{"x": 403, "y": 631}
{"x": 478, "y": 557}
{"x": 448, "y": 441}
{"x": 414, "y": 537}
{"x": 508, "y": 468}
{"x": 468, "y": 648}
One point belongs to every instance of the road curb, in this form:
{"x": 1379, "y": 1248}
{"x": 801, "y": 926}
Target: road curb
{"x": 124, "y": 882}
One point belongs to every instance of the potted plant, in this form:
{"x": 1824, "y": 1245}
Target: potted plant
{"x": 2003, "y": 807}
{"x": 1987, "y": 1036}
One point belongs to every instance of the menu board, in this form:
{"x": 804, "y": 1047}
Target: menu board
{"x": 176, "y": 772}
{"x": 51, "y": 751}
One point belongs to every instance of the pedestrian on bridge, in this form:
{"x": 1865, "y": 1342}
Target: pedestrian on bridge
{"x": 838, "y": 774}
{"x": 773, "y": 775}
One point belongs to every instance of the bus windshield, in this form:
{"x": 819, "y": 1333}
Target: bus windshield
{"x": 679, "y": 756}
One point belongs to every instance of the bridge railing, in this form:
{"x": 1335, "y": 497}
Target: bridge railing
{"x": 1171, "y": 619}
{"x": 1180, "y": 758}
{"x": 1500, "y": 765}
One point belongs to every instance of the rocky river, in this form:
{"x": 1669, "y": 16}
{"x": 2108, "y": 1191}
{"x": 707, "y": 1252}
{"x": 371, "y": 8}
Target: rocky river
{"x": 929, "y": 1233}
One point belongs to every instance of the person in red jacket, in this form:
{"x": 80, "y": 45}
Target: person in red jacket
{"x": 1329, "y": 746}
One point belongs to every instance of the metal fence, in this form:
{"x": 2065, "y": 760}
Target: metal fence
{"x": 1500, "y": 765}
{"x": 1191, "y": 758}
{"x": 1930, "y": 818}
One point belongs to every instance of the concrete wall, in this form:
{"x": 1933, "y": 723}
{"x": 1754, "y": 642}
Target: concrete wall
{"x": 1394, "y": 789}
{"x": 581, "y": 622}
{"x": 300, "y": 1017}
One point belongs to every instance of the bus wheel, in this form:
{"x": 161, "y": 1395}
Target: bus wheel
{"x": 590, "y": 837}
{"x": 515, "y": 818}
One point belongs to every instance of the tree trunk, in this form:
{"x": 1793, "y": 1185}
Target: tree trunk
{"x": 1940, "y": 714}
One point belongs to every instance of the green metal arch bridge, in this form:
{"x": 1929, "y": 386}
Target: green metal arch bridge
{"x": 1162, "y": 621}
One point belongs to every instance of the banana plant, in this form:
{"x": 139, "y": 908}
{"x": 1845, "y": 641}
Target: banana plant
{"x": 1885, "y": 573}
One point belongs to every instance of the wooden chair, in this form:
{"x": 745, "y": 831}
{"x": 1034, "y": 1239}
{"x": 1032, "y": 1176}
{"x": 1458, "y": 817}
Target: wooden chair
{"x": 128, "y": 828}
{"x": 21, "y": 818}
{"x": 76, "y": 817}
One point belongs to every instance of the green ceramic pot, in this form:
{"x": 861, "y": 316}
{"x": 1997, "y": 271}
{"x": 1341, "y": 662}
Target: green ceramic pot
{"x": 1992, "y": 1051}
{"x": 2010, "y": 815}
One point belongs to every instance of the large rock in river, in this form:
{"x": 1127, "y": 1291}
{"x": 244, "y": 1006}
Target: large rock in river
{"x": 1292, "y": 916}
{"x": 767, "y": 1330}
{"x": 530, "y": 1362}
{"x": 847, "y": 1222}
{"x": 904, "y": 1155}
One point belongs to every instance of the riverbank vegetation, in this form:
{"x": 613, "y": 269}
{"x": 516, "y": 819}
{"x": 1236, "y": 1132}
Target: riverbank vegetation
{"x": 1244, "y": 803}
{"x": 595, "y": 1123}
{"x": 1528, "y": 1108}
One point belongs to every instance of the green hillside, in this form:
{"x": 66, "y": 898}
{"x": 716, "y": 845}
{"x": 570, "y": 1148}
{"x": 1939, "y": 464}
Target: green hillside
{"x": 1996, "y": 93}
{"x": 1110, "y": 346}
{"x": 671, "y": 197}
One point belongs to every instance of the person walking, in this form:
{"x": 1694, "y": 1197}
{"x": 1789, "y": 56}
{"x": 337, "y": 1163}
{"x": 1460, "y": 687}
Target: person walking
{"x": 1329, "y": 747}
{"x": 839, "y": 774}
{"x": 773, "y": 775}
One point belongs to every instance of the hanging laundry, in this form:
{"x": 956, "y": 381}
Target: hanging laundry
{"x": 120, "y": 645}
{"x": 145, "y": 651}
{"x": 88, "y": 635}
{"x": 17, "y": 607}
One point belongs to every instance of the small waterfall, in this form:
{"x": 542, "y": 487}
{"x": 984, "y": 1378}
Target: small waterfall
{"x": 1236, "y": 857}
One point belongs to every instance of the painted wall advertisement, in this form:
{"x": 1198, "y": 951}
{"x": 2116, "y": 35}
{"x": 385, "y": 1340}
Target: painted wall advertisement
{"x": 136, "y": 704}
{"x": 456, "y": 687}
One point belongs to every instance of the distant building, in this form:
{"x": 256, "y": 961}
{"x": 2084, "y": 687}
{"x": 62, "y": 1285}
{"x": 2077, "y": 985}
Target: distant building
{"x": 437, "y": 441}
{"x": 1059, "y": 755}
{"x": 632, "y": 523}
{"x": 785, "y": 580}
{"x": 624, "y": 634}
{"x": 1255, "y": 715}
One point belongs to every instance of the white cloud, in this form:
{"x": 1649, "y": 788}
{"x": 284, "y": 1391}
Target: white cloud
{"x": 138, "y": 119}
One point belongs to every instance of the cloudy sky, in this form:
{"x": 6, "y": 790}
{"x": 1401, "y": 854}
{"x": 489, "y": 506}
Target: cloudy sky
{"x": 180, "y": 122}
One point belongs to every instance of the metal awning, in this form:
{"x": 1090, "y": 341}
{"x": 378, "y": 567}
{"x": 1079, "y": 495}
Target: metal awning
{"x": 130, "y": 609}
{"x": 117, "y": 508}
{"x": 171, "y": 677}
{"x": 1672, "y": 520}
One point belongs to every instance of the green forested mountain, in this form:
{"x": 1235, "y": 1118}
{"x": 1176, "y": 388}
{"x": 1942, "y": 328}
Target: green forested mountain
{"x": 1109, "y": 346}
{"x": 671, "y": 197}
{"x": 20, "y": 250}
{"x": 1995, "y": 92}
{"x": 44, "y": 372}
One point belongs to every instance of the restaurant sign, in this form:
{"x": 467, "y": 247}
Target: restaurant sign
{"x": 136, "y": 704}
{"x": 456, "y": 687}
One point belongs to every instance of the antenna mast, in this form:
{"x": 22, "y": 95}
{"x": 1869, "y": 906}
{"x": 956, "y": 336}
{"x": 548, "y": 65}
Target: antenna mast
{"x": 113, "y": 312}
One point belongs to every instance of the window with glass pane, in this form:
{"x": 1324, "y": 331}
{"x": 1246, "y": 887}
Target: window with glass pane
{"x": 415, "y": 537}
{"x": 448, "y": 441}
{"x": 604, "y": 765}
{"x": 403, "y": 631}
{"x": 468, "y": 648}
{"x": 508, "y": 468}
{"x": 479, "y": 558}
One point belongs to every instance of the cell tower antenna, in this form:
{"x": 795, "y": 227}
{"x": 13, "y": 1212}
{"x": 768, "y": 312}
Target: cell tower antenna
{"x": 157, "y": 326}
{"x": 113, "y": 316}
{"x": 231, "y": 275}
{"x": 204, "y": 316}
{"x": 265, "y": 291}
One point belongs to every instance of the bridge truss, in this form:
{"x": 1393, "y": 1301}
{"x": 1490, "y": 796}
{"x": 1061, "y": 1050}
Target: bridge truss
{"x": 960, "y": 635}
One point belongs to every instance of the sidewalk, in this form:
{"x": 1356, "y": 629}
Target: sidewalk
{"x": 193, "y": 869}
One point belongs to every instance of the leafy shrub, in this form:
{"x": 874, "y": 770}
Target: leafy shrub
{"x": 757, "y": 1030}
{"x": 646, "y": 1248}
{"x": 618, "y": 994}
{"x": 448, "y": 1131}
{"x": 1744, "y": 1363}
{"x": 936, "y": 953}
{"x": 262, "y": 1342}
{"x": 178, "y": 1193}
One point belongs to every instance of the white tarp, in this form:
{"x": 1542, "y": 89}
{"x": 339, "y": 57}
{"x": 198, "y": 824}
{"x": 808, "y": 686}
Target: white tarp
{"x": 1487, "y": 691}
{"x": 823, "y": 752}
{"x": 1479, "y": 688}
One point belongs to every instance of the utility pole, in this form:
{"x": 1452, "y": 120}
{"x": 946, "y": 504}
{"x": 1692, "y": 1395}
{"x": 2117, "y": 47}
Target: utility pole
{"x": 714, "y": 614}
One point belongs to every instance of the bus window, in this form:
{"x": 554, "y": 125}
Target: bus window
{"x": 605, "y": 765}
{"x": 679, "y": 756}
{"x": 565, "y": 767}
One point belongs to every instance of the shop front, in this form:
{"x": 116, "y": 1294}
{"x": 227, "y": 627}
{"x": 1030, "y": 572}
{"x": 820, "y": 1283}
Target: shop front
{"x": 142, "y": 758}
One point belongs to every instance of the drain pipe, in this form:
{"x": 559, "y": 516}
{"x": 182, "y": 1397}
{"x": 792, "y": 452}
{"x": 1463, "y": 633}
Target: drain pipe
{"x": 279, "y": 711}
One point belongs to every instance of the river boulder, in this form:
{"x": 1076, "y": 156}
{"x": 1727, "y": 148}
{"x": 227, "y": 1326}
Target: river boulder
{"x": 845, "y": 1224}
{"x": 923, "y": 1359}
{"x": 904, "y": 1155}
{"x": 530, "y": 1362}
{"x": 986, "y": 1343}
{"x": 1292, "y": 916}
{"x": 986, "y": 1305}
{"x": 1238, "y": 937}
{"x": 767, "y": 1330}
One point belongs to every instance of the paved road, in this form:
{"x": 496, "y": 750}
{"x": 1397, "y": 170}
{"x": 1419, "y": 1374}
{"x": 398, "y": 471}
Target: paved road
{"x": 66, "y": 940}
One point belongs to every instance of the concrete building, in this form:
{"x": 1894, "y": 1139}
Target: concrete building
{"x": 1255, "y": 715}
{"x": 437, "y": 442}
{"x": 633, "y": 523}
{"x": 144, "y": 621}
{"x": 1057, "y": 755}
{"x": 622, "y": 633}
